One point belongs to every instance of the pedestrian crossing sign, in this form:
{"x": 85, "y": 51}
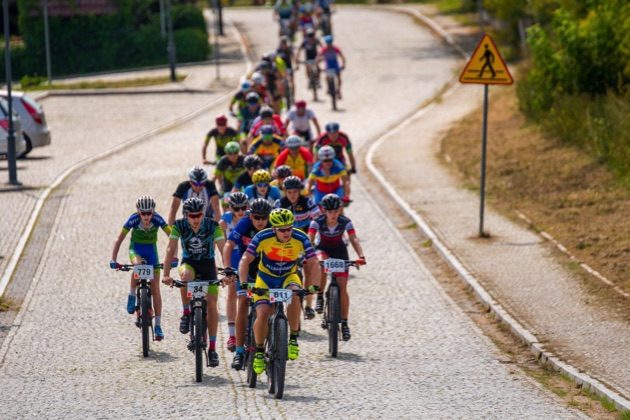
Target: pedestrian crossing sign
{"x": 486, "y": 66}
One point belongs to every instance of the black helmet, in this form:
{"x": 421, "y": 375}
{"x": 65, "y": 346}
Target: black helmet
{"x": 197, "y": 174}
{"x": 237, "y": 199}
{"x": 193, "y": 205}
{"x": 292, "y": 183}
{"x": 260, "y": 206}
{"x": 283, "y": 171}
{"x": 331, "y": 202}
{"x": 252, "y": 162}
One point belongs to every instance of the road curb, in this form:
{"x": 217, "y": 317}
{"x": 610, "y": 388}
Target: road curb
{"x": 545, "y": 357}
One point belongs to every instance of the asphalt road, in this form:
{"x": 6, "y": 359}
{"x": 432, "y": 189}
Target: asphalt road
{"x": 74, "y": 352}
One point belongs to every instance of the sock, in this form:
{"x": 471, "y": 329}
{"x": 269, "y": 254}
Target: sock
{"x": 260, "y": 348}
{"x": 158, "y": 321}
{"x": 132, "y": 291}
{"x": 186, "y": 310}
{"x": 344, "y": 322}
{"x": 231, "y": 329}
{"x": 294, "y": 335}
{"x": 320, "y": 295}
{"x": 212, "y": 342}
{"x": 240, "y": 349}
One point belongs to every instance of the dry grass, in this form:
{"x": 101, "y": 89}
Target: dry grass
{"x": 562, "y": 189}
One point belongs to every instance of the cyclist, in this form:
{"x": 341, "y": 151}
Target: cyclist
{"x": 284, "y": 52}
{"x": 328, "y": 176}
{"x": 267, "y": 146}
{"x": 296, "y": 157}
{"x": 199, "y": 236}
{"x": 280, "y": 173}
{"x": 252, "y": 163}
{"x": 306, "y": 18}
{"x": 144, "y": 225}
{"x": 300, "y": 118}
{"x": 339, "y": 141}
{"x": 330, "y": 54}
{"x": 261, "y": 188}
{"x": 222, "y": 135}
{"x": 267, "y": 68}
{"x": 331, "y": 227}
{"x": 240, "y": 236}
{"x": 323, "y": 12}
{"x": 199, "y": 186}
{"x": 247, "y": 115}
{"x": 259, "y": 87}
{"x": 266, "y": 117}
{"x": 229, "y": 167}
{"x": 239, "y": 98}
{"x": 311, "y": 46}
{"x": 238, "y": 206}
{"x": 284, "y": 13}
{"x": 280, "y": 249}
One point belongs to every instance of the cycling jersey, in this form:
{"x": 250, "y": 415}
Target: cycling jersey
{"x": 286, "y": 55}
{"x": 328, "y": 183}
{"x": 273, "y": 193}
{"x": 339, "y": 144}
{"x": 185, "y": 191}
{"x": 300, "y": 122}
{"x": 284, "y": 9}
{"x": 197, "y": 245}
{"x": 242, "y": 235}
{"x": 247, "y": 116}
{"x": 229, "y": 170}
{"x": 330, "y": 54}
{"x": 142, "y": 235}
{"x": 229, "y": 135}
{"x": 331, "y": 237}
{"x": 275, "y": 123}
{"x": 299, "y": 164}
{"x": 310, "y": 48}
{"x": 268, "y": 151}
{"x": 324, "y": 5}
{"x": 228, "y": 219}
{"x": 244, "y": 180}
{"x": 303, "y": 211}
{"x": 280, "y": 259}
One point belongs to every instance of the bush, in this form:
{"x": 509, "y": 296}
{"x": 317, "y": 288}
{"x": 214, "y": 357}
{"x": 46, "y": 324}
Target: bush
{"x": 188, "y": 16}
{"x": 191, "y": 45}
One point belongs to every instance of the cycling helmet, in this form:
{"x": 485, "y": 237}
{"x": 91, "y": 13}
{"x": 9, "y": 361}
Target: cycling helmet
{"x": 292, "y": 183}
{"x": 266, "y": 130}
{"x": 252, "y": 98}
{"x": 246, "y": 84}
{"x": 300, "y": 104}
{"x": 328, "y": 39}
{"x": 197, "y": 174}
{"x": 258, "y": 78}
{"x": 310, "y": 32}
{"x": 293, "y": 142}
{"x": 281, "y": 217}
{"x": 283, "y": 171}
{"x": 193, "y": 205}
{"x": 221, "y": 119}
{"x": 332, "y": 127}
{"x": 231, "y": 148}
{"x": 237, "y": 199}
{"x": 252, "y": 161}
{"x": 266, "y": 112}
{"x": 269, "y": 56}
{"x": 331, "y": 202}
{"x": 263, "y": 65}
{"x": 261, "y": 175}
{"x": 284, "y": 39}
{"x": 260, "y": 206}
{"x": 326, "y": 153}
{"x": 308, "y": 8}
{"x": 145, "y": 203}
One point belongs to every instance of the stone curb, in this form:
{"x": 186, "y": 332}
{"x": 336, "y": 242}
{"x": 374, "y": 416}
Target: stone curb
{"x": 545, "y": 357}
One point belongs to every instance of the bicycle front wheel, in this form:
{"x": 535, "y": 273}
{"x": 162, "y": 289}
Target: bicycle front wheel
{"x": 279, "y": 356}
{"x": 250, "y": 349}
{"x": 332, "y": 91}
{"x": 145, "y": 321}
{"x": 333, "y": 319}
{"x": 197, "y": 338}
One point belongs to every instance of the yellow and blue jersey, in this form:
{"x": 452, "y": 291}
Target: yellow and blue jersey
{"x": 280, "y": 259}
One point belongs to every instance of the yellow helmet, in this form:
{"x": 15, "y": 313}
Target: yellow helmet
{"x": 261, "y": 175}
{"x": 281, "y": 217}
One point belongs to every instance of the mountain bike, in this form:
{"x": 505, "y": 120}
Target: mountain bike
{"x": 197, "y": 291}
{"x": 332, "y": 308}
{"x": 331, "y": 83}
{"x": 143, "y": 273}
{"x": 312, "y": 72}
{"x": 250, "y": 343}
{"x": 276, "y": 345}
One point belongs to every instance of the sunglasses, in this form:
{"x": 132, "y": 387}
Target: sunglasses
{"x": 259, "y": 218}
{"x": 239, "y": 208}
{"x": 197, "y": 184}
{"x": 285, "y": 230}
{"x": 146, "y": 213}
{"x": 194, "y": 215}
{"x": 327, "y": 160}
{"x": 262, "y": 184}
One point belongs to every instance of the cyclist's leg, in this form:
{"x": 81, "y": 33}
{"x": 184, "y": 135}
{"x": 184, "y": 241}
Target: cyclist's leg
{"x": 263, "y": 308}
{"x": 294, "y": 309}
{"x": 135, "y": 258}
{"x": 339, "y": 83}
{"x": 322, "y": 255}
{"x": 186, "y": 273}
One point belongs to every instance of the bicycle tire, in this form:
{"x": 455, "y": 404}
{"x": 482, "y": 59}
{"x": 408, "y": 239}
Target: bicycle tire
{"x": 333, "y": 319}
{"x": 250, "y": 349}
{"x": 279, "y": 356}
{"x": 332, "y": 91}
{"x": 197, "y": 337}
{"x": 144, "y": 320}
{"x": 314, "y": 88}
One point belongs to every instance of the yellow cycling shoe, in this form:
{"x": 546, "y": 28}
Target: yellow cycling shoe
{"x": 294, "y": 349}
{"x": 259, "y": 362}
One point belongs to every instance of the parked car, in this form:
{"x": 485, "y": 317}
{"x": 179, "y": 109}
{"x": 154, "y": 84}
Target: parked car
{"x": 20, "y": 144}
{"x": 34, "y": 127}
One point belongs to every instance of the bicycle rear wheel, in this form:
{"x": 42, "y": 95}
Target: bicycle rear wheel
{"x": 332, "y": 91}
{"x": 145, "y": 321}
{"x": 333, "y": 319}
{"x": 250, "y": 349}
{"x": 279, "y": 357}
{"x": 197, "y": 337}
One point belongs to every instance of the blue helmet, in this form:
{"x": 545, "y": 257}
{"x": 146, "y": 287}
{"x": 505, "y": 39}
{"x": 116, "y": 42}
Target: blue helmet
{"x": 246, "y": 85}
{"x": 332, "y": 127}
{"x": 266, "y": 130}
{"x": 328, "y": 39}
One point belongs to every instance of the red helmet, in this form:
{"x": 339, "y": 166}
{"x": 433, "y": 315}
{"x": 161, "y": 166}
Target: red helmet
{"x": 300, "y": 104}
{"x": 221, "y": 119}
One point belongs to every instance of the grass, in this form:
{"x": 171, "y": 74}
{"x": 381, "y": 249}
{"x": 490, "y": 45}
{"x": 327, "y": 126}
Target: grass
{"x": 105, "y": 84}
{"x": 5, "y": 304}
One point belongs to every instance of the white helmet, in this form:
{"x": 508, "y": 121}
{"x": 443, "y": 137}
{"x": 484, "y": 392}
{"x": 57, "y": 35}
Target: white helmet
{"x": 258, "y": 78}
{"x": 326, "y": 153}
{"x": 145, "y": 203}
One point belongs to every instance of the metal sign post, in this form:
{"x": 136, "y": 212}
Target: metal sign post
{"x": 170, "y": 48}
{"x": 484, "y": 143}
{"x": 47, "y": 43}
{"x": 11, "y": 137}
{"x": 216, "y": 9}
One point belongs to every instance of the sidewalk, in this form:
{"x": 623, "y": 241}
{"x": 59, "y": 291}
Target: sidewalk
{"x": 516, "y": 266}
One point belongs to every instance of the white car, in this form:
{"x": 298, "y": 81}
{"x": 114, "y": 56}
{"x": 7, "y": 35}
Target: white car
{"x": 34, "y": 127}
{"x": 20, "y": 144}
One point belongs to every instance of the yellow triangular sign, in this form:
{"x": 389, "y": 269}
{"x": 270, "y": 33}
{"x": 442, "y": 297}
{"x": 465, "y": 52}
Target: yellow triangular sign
{"x": 486, "y": 66}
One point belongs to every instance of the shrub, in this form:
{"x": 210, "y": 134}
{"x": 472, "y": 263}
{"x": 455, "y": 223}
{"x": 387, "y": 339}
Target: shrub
{"x": 191, "y": 44}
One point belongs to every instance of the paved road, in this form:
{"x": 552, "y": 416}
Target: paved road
{"x": 74, "y": 352}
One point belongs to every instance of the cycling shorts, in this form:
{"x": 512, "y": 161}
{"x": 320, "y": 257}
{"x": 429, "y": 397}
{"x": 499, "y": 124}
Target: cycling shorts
{"x": 340, "y": 252}
{"x": 148, "y": 252}
{"x": 306, "y": 135}
{"x": 317, "y": 195}
{"x": 202, "y": 270}
{"x": 265, "y": 281}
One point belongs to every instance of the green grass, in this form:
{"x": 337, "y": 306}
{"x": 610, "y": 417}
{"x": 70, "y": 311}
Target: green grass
{"x": 5, "y": 304}
{"x": 624, "y": 415}
{"x": 105, "y": 84}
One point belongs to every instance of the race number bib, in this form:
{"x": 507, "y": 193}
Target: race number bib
{"x": 143, "y": 272}
{"x": 334, "y": 265}
{"x": 280, "y": 295}
{"x": 197, "y": 290}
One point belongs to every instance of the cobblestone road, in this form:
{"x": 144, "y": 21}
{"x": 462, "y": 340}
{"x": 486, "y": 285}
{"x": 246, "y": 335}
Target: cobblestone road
{"x": 75, "y": 353}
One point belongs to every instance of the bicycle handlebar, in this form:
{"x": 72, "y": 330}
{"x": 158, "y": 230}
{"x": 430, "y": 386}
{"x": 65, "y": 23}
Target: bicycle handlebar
{"x": 262, "y": 291}
{"x": 129, "y": 267}
{"x": 179, "y": 283}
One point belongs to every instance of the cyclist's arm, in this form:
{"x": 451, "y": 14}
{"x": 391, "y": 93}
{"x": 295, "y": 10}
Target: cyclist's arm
{"x": 351, "y": 158}
{"x": 167, "y": 229}
{"x": 227, "y": 253}
{"x": 220, "y": 244}
{"x": 312, "y": 271}
{"x": 173, "y": 211}
{"x": 204, "y": 149}
{"x": 308, "y": 186}
{"x": 117, "y": 243}
{"x": 343, "y": 59}
{"x": 243, "y": 266}
{"x": 216, "y": 207}
{"x": 346, "y": 185}
{"x": 171, "y": 252}
{"x": 317, "y": 127}
{"x": 354, "y": 240}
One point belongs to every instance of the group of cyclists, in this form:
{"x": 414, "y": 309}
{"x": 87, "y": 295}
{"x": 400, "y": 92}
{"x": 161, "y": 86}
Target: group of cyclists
{"x": 272, "y": 210}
